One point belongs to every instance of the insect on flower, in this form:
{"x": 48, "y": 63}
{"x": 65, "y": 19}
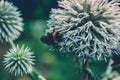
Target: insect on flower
{"x": 89, "y": 28}
{"x": 51, "y": 38}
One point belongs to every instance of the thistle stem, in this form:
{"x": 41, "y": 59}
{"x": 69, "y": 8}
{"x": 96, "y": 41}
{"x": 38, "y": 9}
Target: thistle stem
{"x": 78, "y": 69}
{"x": 12, "y": 44}
{"x": 34, "y": 75}
{"x": 84, "y": 75}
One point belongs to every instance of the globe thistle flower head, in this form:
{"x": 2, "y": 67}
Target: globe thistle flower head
{"x": 89, "y": 27}
{"x": 10, "y": 22}
{"x": 19, "y": 60}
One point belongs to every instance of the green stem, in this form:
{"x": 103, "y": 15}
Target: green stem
{"x": 84, "y": 75}
{"x": 78, "y": 68}
{"x": 34, "y": 75}
{"x": 12, "y": 44}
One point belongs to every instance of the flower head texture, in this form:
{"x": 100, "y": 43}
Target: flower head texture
{"x": 89, "y": 27}
{"x": 19, "y": 60}
{"x": 10, "y": 22}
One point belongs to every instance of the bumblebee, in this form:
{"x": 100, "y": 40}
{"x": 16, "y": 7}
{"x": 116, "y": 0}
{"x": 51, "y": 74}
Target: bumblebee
{"x": 51, "y": 38}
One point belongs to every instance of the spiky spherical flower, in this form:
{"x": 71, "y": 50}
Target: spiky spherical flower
{"x": 10, "y": 22}
{"x": 19, "y": 60}
{"x": 89, "y": 27}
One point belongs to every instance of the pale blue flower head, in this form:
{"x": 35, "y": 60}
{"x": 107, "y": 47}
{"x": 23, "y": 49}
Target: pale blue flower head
{"x": 19, "y": 60}
{"x": 90, "y": 28}
{"x": 11, "y": 24}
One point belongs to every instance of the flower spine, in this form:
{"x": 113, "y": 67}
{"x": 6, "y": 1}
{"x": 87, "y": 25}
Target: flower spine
{"x": 89, "y": 27}
{"x": 10, "y": 22}
{"x": 19, "y": 60}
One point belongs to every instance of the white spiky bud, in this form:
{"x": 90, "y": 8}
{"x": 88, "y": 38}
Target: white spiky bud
{"x": 89, "y": 27}
{"x": 19, "y": 60}
{"x": 10, "y": 22}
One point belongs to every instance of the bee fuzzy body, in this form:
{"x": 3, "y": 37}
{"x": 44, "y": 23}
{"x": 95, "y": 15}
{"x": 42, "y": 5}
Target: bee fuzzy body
{"x": 51, "y": 38}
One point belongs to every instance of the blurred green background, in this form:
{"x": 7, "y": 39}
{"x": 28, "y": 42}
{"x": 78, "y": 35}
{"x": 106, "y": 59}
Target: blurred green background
{"x": 53, "y": 65}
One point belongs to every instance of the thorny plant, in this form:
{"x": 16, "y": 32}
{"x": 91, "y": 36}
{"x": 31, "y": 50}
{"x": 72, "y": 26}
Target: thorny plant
{"x": 18, "y": 60}
{"x": 90, "y": 29}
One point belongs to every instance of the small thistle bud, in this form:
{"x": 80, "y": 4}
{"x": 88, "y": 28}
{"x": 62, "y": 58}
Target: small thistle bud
{"x": 10, "y": 22}
{"x": 19, "y": 60}
{"x": 89, "y": 27}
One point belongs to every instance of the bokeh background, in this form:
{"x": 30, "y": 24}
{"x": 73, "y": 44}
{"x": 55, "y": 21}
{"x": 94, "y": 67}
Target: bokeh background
{"x": 53, "y": 65}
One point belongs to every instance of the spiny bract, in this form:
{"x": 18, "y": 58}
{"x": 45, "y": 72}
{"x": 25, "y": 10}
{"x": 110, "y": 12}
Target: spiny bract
{"x": 19, "y": 60}
{"x": 10, "y": 22}
{"x": 89, "y": 27}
